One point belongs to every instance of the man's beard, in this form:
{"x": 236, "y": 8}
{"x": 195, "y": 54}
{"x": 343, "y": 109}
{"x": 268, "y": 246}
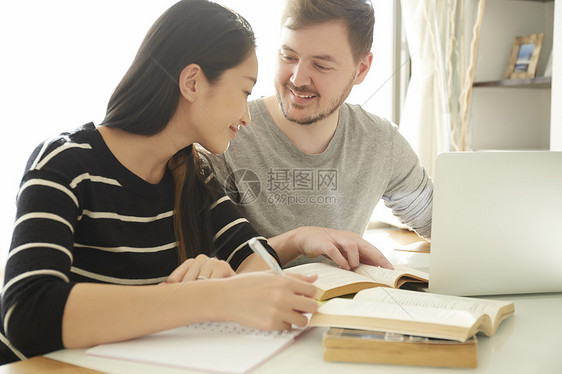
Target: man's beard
{"x": 315, "y": 117}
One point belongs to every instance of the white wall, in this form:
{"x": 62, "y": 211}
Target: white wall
{"x": 556, "y": 110}
{"x": 511, "y": 118}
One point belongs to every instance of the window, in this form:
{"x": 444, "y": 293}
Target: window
{"x": 61, "y": 60}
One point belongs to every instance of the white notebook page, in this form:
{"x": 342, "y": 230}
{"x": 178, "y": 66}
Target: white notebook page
{"x": 221, "y": 347}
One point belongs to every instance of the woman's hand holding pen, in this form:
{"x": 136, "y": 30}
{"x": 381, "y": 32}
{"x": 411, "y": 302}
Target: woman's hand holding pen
{"x": 269, "y": 301}
{"x": 264, "y": 300}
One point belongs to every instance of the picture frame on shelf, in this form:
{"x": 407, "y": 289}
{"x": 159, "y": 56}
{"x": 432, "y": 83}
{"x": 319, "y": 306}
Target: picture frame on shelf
{"x": 524, "y": 57}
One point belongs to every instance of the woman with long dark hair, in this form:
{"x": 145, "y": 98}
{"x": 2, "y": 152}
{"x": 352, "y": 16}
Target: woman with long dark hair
{"x": 121, "y": 229}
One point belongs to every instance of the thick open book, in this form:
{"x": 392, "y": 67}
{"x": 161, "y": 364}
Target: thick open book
{"x": 350, "y": 345}
{"x": 414, "y": 313}
{"x": 333, "y": 281}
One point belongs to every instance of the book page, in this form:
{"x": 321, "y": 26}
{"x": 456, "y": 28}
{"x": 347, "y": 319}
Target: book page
{"x": 387, "y": 276}
{"x": 392, "y": 311}
{"x": 434, "y": 301}
{"x": 328, "y": 276}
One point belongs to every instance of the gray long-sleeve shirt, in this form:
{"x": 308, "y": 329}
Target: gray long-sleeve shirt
{"x": 278, "y": 187}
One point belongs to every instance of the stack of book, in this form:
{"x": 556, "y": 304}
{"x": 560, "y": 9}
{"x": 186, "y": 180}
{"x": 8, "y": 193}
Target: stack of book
{"x": 393, "y": 326}
{"x": 350, "y": 345}
{"x": 385, "y": 324}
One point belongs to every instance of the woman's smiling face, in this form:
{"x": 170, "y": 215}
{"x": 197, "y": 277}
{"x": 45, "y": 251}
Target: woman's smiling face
{"x": 224, "y": 106}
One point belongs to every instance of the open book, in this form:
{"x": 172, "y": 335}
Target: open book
{"x": 350, "y": 345}
{"x": 333, "y": 281}
{"x": 414, "y": 313}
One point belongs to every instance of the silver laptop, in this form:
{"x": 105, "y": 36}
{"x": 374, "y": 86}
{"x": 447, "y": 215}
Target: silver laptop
{"x": 497, "y": 223}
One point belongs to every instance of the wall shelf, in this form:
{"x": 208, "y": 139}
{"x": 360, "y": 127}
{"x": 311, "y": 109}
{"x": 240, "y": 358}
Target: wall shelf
{"x": 538, "y": 82}
{"x": 509, "y": 114}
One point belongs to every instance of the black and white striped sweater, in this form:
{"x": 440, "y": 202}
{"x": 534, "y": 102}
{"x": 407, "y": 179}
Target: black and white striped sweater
{"x": 84, "y": 217}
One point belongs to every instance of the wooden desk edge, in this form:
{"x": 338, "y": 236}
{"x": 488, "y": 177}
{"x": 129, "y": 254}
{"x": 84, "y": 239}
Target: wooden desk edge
{"x": 42, "y": 364}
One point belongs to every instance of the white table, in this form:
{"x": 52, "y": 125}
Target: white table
{"x": 526, "y": 343}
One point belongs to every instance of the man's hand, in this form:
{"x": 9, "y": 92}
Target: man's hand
{"x": 345, "y": 248}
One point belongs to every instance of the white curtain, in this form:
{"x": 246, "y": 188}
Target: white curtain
{"x": 442, "y": 39}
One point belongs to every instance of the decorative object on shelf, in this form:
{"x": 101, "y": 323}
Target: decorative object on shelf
{"x": 524, "y": 56}
{"x": 460, "y": 98}
{"x": 548, "y": 70}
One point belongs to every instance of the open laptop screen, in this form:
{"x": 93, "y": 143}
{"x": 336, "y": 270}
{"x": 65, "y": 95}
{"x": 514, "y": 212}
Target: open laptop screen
{"x": 497, "y": 223}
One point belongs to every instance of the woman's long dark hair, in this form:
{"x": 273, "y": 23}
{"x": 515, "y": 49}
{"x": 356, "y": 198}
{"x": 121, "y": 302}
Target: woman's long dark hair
{"x": 191, "y": 31}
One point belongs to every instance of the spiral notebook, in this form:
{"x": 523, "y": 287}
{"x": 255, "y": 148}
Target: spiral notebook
{"x": 219, "y": 347}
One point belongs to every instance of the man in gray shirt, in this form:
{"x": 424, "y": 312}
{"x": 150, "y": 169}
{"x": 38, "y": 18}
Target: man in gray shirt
{"x": 308, "y": 158}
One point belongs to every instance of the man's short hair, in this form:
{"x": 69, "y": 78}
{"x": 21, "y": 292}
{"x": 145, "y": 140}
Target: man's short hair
{"x": 358, "y": 15}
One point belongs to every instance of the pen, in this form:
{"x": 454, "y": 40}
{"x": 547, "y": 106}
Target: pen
{"x": 258, "y": 248}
